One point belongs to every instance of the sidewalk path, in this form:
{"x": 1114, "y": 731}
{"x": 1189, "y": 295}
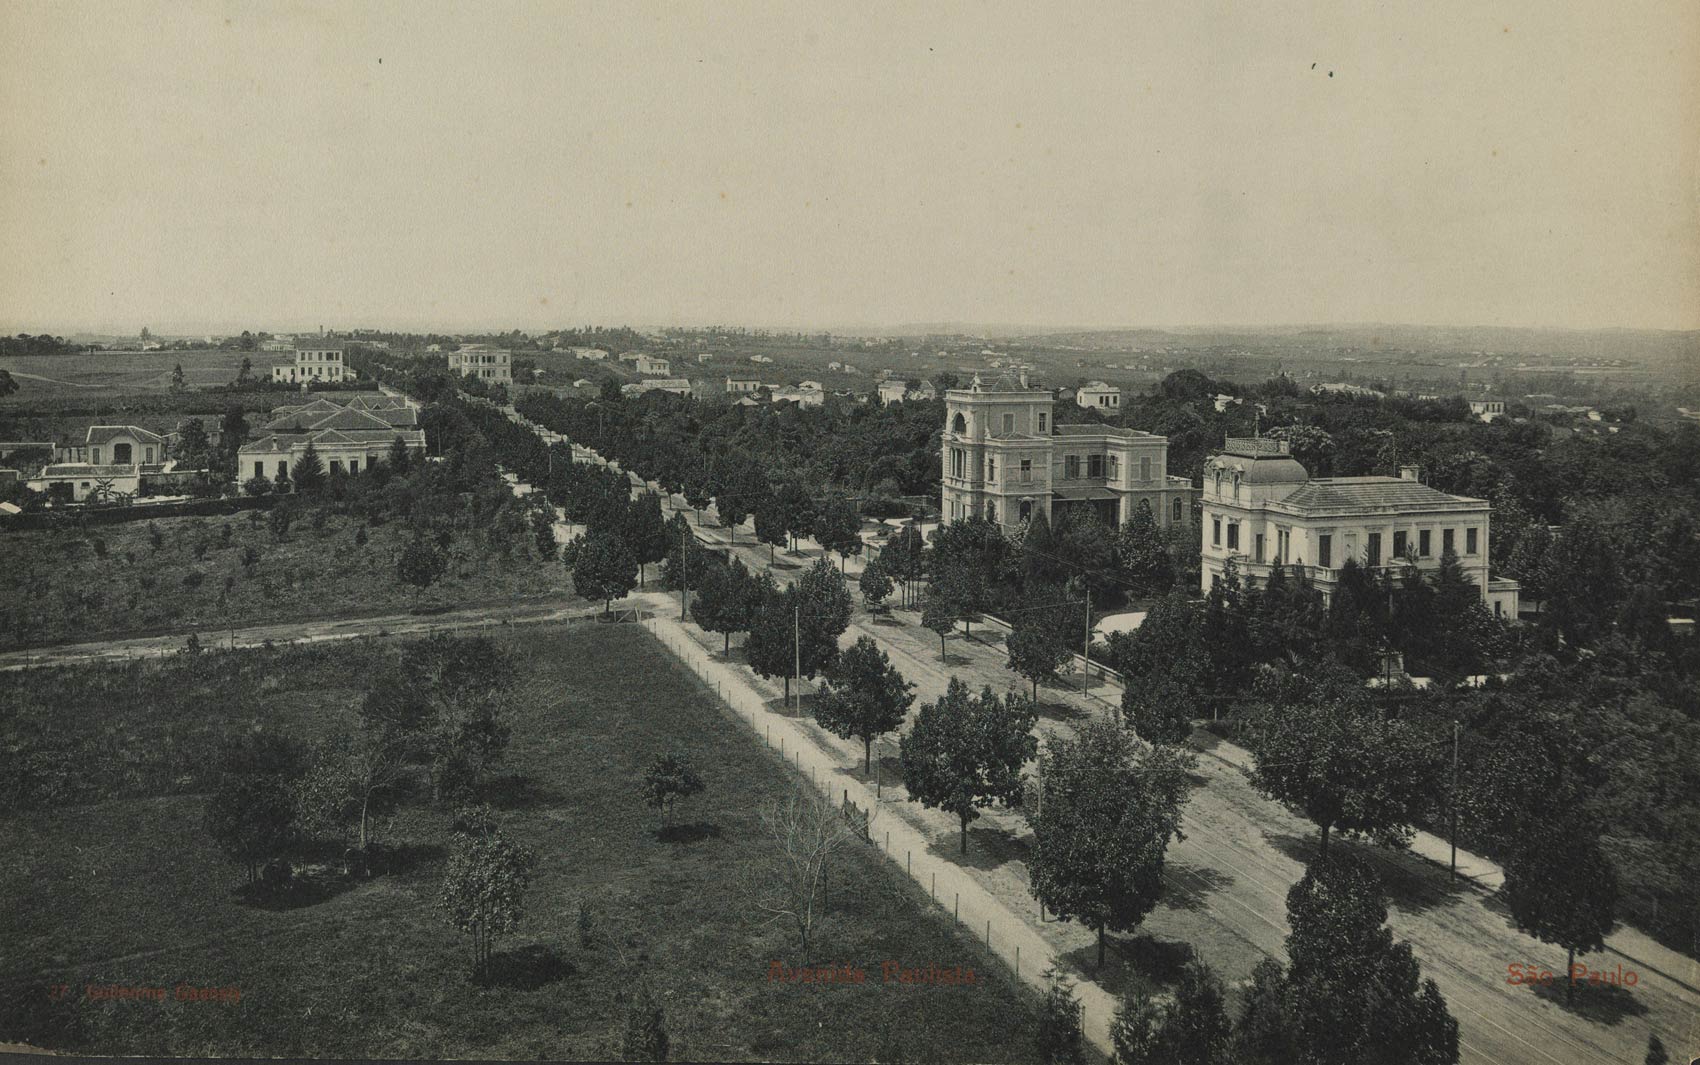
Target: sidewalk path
{"x": 310, "y": 631}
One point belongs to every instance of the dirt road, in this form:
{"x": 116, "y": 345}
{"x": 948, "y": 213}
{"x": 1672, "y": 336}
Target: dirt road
{"x": 1230, "y": 876}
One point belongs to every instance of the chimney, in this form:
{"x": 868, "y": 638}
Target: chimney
{"x": 1410, "y": 473}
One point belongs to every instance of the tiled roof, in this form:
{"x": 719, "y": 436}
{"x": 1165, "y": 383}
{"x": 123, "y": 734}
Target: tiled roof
{"x": 320, "y": 345}
{"x": 323, "y": 415}
{"x": 370, "y": 438}
{"x": 1366, "y": 493}
{"x": 100, "y": 434}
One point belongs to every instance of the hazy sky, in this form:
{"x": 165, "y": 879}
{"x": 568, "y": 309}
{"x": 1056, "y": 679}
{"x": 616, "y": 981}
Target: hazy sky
{"x": 209, "y": 165}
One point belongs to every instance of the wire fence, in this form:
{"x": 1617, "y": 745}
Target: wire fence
{"x": 1005, "y": 933}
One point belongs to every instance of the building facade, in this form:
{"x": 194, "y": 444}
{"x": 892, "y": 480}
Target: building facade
{"x": 1007, "y": 460}
{"x": 316, "y": 360}
{"x": 109, "y": 465}
{"x": 1099, "y": 396}
{"x": 679, "y": 386}
{"x": 492, "y": 365}
{"x": 348, "y": 437}
{"x": 1261, "y": 508}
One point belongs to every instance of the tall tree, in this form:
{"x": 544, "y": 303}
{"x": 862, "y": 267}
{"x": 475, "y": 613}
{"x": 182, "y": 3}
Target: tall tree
{"x": 309, "y": 471}
{"x": 770, "y": 525}
{"x": 1166, "y": 671}
{"x": 1190, "y": 1029}
{"x": 864, "y": 697}
{"x": 669, "y": 778}
{"x": 603, "y": 568}
{"x": 838, "y": 527}
{"x": 1352, "y": 993}
{"x": 484, "y": 886}
{"x": 1143, "y": 551}
{"x": 721, "y": 600}
{"x": 875, "y": 585}
{"x": 1040, "y": 642}
{"x": 1561, "y": 887}
{"x": 939, "y": 611}
{"x": 966, "y": 752}
{"x": 1105, "y": 817}
{"x": 1057, "y": 1037}
{"x": 193, "y": 449}
{"x": 645, "y": 532}
{"x": 420, "y": 564}
{"x": 795, "y": 508}
{"x": 1328, "y": 752}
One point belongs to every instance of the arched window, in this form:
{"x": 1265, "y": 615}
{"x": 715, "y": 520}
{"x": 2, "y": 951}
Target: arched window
{"x": 959, "y": 424}
{"x": 1177, "y": 510}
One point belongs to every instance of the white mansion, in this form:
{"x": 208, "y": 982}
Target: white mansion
{"x": 1006, "y": 459}
{"x": 315, "y": 360}
{"x": 1262, "y": 508}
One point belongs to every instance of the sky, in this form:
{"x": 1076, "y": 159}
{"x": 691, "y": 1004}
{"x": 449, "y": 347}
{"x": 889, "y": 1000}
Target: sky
{"x": 198, "y": 166}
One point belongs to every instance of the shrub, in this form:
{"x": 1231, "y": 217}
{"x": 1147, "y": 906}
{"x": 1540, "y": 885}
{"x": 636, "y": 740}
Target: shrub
{"x": 99, "y": 547}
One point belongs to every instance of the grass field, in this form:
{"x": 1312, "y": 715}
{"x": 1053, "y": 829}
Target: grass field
{"x": 129, "y": 893}
{"x": 57, "y": 586}
{"x": 110, "y": 376}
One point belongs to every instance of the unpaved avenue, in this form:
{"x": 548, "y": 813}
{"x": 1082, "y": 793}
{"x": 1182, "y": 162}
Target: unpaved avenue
{"x": 1230, "y": 876}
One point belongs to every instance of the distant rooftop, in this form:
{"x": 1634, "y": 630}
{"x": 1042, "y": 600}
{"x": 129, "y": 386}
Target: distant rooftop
{"x": 1252, "y": 447}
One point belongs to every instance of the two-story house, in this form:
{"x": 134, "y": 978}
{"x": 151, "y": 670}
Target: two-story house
{"x": 1262, "y": 508}
{"x": 316, "y": 360}
{"x": 1007, "y": 460}
{"x": 492, "y": 365}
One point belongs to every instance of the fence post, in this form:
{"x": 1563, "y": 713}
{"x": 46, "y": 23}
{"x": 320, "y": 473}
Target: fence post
{"x": 988, "y": 933}
{"x": 957, "y": 911}
{"x": 908, "y": 861}
{"x": 935, "y": 885}
{"x": 1018, "y": 961}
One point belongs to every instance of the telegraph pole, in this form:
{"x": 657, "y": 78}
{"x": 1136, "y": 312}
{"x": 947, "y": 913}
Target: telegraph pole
{"x": 1086, "y": 647}
{"x": 684, "y": 571}
{"x": 797, "y": 652}
{"x": 1452, "y": 801}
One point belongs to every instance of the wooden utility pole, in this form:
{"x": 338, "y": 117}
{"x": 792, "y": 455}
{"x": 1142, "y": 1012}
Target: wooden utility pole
{"x": 1452, "y": 801}
{"x": 684, "y": 570}
{"x": 1086, "y": 647}
{"x": 797, "y": 652}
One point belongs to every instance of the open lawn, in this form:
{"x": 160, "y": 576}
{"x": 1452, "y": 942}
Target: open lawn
{"x": 65, "y": 586}
{"x": 365, "y": 968}
{"x": 112, "y": 375}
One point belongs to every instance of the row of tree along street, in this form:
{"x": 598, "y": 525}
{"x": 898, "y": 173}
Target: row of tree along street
{"x": 1617, "y": 678}
{"x": 1375, "y": 763}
